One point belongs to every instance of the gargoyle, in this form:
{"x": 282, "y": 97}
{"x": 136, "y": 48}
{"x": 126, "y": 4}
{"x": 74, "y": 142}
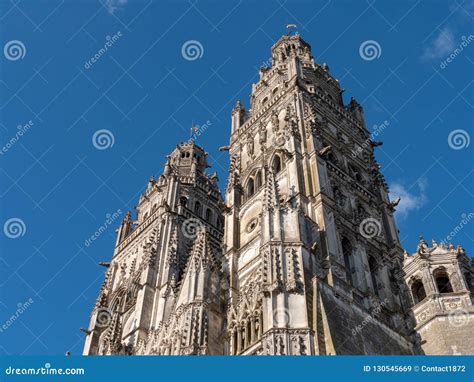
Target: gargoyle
{"x": 325, "y": 151}
{"x": 376, "y": 143}
{"x": 394, "y": 203}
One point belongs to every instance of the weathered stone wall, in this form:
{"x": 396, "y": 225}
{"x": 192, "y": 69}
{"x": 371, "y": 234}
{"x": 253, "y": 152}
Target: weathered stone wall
{"x": 354, "y": 331}
{"x": 446, "y": 336}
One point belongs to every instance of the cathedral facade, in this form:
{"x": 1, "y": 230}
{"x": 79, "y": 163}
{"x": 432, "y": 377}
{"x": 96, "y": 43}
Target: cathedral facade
{"x": 301, "y": 256}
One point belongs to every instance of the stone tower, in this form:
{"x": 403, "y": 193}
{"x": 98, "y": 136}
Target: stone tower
{"x": 162, "y": 290}
{"x": 440, "y": 281}
{"x": 309, "y": 261}
{"x": 311, "y": 247}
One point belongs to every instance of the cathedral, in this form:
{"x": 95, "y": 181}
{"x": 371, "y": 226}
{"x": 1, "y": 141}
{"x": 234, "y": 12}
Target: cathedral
{"x": 300, "y": 256}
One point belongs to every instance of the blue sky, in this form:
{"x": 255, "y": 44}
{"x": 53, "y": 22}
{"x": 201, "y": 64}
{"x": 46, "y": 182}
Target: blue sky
{"x": 58, "y": 187}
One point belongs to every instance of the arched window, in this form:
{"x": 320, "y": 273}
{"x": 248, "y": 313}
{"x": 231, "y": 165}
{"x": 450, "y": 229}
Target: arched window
{"x": 183, "y": 201}
{"x": 442, "y": 282}
{"x": 373, "y": 266}
{"x": 276, "y": 164}
{"x": 209, "y": 215}
{"x": 258, "y": 179}
{"x": 250, "y": 188}
{"x": 198, "y": 209}
{"x": 145, "y": 216}
{"x": 348, "y": 261}
{"x": 418, "y": 291}
{"x": 467, "y": 277}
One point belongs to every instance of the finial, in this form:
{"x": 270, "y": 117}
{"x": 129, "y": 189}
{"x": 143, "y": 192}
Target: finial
{"x": 193, "y": 130}
{"x": 290, "y": 27}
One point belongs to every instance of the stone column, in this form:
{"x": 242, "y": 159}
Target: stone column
{"x": 239, "y": 340}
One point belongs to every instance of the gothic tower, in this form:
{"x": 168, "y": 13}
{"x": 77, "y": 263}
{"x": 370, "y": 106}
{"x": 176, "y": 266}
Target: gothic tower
{"x": 440, "y": 281}
{"x": 311, "y": 247}
{"x": 162, "y": 290}
{"x": 309, "y": 261}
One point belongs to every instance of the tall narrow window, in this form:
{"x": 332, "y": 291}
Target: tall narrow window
{"x": 373, "y": 267}
{"x": 418, "y": 291}
{"x": 467, "y": 277}
{"x": 198, "y": 209}
{"x": 209, "y": 215}
{"x": 258, "y": 179}
{"x": 277, "y": 164}
{"x": 250, "y": 188}
{"x": 442, "y": 282}
{"x": 347, "y": 253}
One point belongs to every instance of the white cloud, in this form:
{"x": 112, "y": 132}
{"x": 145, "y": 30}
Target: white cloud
{"x": 113, "y": 5}
{"x": 443, "y": 44}
{"x": 409, "y": 200}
